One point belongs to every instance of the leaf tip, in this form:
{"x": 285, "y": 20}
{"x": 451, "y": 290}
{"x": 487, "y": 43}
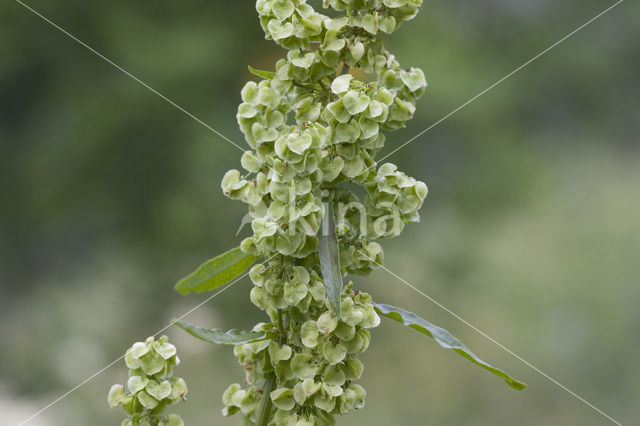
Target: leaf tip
{"x": 516, "y": 385}
{"x": 179, "y": 287}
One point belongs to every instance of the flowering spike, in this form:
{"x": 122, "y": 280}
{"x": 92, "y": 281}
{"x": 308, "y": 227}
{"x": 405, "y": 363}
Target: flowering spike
{"x": 314, "y": 125}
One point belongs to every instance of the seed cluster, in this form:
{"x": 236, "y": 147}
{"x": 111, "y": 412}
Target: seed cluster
{"x": 314, "y": 358}
{"x": 151, "y": 385}
{"x": 313, "y": 126}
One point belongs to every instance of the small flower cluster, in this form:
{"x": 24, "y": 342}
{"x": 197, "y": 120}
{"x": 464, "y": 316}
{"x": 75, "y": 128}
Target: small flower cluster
{"x": 392, "y": 194}
{"x": 151, "y": 385}
{"x": 293, "y": 24}
{"x": 314, "y": 358}
{"x": 312, "y": 128}
{"x": 377, "y": 15}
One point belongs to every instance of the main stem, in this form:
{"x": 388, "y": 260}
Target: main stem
{"x": 269, "y": 384}
{"x": 281, "y": 325}
{"x": 265, "y": 405}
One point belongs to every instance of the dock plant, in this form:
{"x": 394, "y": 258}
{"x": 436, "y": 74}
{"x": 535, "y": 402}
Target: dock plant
{"x": 319, "y": 207}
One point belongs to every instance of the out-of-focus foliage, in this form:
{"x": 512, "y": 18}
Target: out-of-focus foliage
{"x": 108, "y": 194}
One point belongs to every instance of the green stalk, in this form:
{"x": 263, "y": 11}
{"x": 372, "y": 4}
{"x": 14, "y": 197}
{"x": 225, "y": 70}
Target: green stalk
{"x": 268, "y": 386}
{"x": 280, "y": 323}
{"x": 265, "y": 405}
{"x": 283, "y": 325}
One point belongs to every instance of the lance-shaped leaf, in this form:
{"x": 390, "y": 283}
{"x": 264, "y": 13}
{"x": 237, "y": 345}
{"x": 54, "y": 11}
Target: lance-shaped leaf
{"x": 264, "y": 74}
{"x": 217, "y": 336}
{"x": 216, "y": 272}
{"x": 443, "y": 337}
{"x": 329, "y": 254}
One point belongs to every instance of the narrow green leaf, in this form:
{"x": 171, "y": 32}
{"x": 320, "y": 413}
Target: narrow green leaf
{"x": 216, "y": 272}
{"x": 264, "y": 74}
{"x": 329, "y": 254}
{"x": 217, "y": 336}
{"x": 443, "y": 337}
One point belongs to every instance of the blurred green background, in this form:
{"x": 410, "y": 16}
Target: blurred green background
{"x": 531, "y": 230}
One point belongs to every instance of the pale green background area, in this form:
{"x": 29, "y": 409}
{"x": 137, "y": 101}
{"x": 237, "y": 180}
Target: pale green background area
{"x": 531, "y": 230}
